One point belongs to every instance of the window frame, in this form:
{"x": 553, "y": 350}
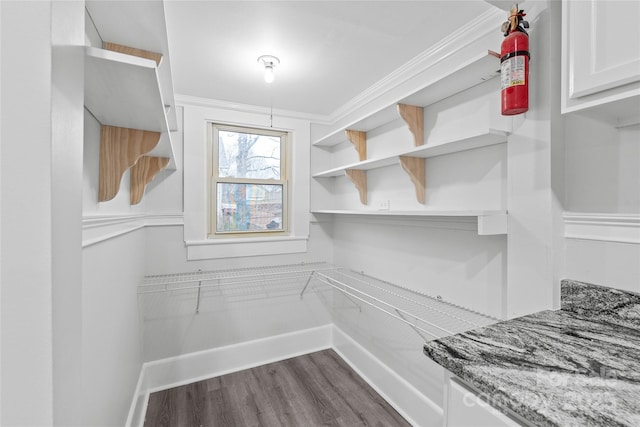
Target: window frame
{"x": 214, "y": 179}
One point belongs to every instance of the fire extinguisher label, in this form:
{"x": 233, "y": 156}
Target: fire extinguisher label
{"x": 512, "y": 72}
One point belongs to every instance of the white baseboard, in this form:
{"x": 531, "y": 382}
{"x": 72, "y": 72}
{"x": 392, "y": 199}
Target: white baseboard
{"x": 175, "y": 371}
{"x": 414, "y": 406}
{"x": 184, "y": 369}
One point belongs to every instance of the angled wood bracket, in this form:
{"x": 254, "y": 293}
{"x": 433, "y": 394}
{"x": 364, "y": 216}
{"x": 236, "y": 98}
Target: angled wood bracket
{"x": 120, "y": 148}
{"x": 359, "y": 141}
{"x": 157, "y": 57}
{"x": 145, "y": 169}
{"x": 415, "y": 167}
{"x": 414, "y": 118}
{"x": 359, "y": 179}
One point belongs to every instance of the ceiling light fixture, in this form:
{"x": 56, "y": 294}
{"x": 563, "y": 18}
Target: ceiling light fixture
{"x": 269, "y": 62}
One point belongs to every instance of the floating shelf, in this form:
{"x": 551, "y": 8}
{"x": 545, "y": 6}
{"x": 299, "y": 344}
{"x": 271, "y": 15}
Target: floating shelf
{"x": 476, "y": 70}
{"x": 141, "y": 25}
{"x": 491, "y": 137}
{"x": 124, "y": 91}
{"x": 363, "y": 165}
{"x": 129, "y": 91}
{"x": 489, "y": 222}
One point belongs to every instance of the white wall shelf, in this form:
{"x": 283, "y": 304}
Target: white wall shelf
{"x": 489, "y": 222}
{"x": 124, "y": 91}
{"x": 476, "y": 70}
{"x": 490, "y": 137}
{"x": 142, "y": 25}
{"x": 363, "y": 165}
{"x": 129, "y": 91}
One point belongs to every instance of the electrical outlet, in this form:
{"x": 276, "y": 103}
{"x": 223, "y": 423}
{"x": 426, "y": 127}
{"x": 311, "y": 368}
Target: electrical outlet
{"x": 383, "y": 205}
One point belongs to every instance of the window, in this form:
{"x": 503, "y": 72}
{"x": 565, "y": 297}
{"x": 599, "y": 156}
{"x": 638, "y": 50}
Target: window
{"x": 248, "y": 190}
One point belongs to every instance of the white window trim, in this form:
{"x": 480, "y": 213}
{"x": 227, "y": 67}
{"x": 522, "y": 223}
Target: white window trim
{"x": 197, "y": 120}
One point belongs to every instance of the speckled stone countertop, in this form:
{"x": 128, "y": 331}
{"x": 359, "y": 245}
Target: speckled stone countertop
{"x": 577, "y": 366}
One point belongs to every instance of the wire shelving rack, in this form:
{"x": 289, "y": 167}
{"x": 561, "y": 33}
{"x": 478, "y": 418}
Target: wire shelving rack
{"x": 429, "y": 316}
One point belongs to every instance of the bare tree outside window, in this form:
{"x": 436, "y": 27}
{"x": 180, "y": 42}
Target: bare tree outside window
{"x": 250, "y": 189}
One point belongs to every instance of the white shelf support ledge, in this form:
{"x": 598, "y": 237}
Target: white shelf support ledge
{"x": 489, "y": 225}
{"x": 488, "y": 222}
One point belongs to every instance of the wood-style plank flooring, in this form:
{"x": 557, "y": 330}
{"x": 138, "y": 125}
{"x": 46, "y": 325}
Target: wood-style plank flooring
{"x": 317, "y": 389}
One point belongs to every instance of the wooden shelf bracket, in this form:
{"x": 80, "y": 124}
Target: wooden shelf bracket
{"x": 359, "y": 141}
{"x": 359, "y": 179}
{"x": 415, "y": 167}
{"x": 142, "y": 173}
{"x": 120, "y": 148}
{"x": 157, "y": 57}
{"x": 414, "y": 118}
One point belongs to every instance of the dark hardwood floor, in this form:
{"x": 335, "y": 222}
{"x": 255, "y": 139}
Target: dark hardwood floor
{"x": 317, "y": 389}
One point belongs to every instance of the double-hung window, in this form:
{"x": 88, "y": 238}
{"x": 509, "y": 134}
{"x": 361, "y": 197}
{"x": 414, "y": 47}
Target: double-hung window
{"x": 248, "y": 185}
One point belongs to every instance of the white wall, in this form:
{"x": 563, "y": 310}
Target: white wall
{"x": 111, "y": 336}
{"x": 111, "y": 271}
{"x": 67, "y": 100}
{"x": 457, "y": 265}
{"x": 27, "y": 367}
{"x": 603, "y": 182}
{"x": 234, "y": 315}
{"x": 42, "y": 97}
{"x": 604, "y": 263}
{"x": 602, "y": 167}
{"x": 534, "y": 188}
{"x": 224, "y": 319}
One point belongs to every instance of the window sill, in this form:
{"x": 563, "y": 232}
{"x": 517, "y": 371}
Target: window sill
{"x": 243, "y": 247}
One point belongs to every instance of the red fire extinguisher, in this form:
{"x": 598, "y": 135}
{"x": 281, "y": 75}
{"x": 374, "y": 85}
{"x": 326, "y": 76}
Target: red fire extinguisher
{"x": 514, "y": 64}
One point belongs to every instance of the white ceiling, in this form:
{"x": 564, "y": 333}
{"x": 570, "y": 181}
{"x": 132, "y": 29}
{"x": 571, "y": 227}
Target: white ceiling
{"x": 330, "y": 51}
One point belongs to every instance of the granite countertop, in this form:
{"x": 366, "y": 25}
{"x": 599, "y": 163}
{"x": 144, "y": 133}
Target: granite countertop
{"x": 577, "y": 366}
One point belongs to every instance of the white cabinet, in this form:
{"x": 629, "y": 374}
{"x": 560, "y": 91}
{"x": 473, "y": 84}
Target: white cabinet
{"x": 464, "y": 408}
{"x": 601, "y": 59}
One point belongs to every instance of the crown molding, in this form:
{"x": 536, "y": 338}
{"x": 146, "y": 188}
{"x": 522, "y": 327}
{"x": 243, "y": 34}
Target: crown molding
{"x": 188, "y": 100}
{"x": 482, "y": 25}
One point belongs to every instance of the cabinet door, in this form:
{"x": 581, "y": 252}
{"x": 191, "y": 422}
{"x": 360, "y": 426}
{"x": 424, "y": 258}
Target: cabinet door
{"x": 603, "y": 43}
{"x": 464, "y": 408}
